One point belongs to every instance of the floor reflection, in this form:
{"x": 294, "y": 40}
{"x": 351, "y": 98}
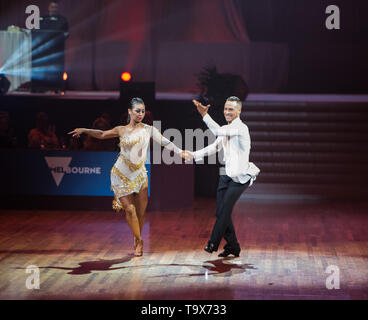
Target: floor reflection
{"x": 220, "y": 267}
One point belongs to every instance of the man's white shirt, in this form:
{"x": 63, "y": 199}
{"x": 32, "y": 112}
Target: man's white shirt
{"x": 235, "y": 140}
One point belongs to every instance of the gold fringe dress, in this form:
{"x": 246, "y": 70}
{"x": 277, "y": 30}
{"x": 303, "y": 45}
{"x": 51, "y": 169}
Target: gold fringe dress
{"x": 129, "y": 172}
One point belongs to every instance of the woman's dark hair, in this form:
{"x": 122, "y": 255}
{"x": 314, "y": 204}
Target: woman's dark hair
{"x": 135, "y": 101}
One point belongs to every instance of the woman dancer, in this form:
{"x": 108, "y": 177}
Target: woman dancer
{"x": 129, "y": 180}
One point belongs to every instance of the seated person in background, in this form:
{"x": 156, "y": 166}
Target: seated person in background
{"x": 43, "y": 136}
{"x": 106, "y": 116}
{"x": 7, "y": 137}
{"x": 93, "y": 144}
{"x": 75, "y": 144}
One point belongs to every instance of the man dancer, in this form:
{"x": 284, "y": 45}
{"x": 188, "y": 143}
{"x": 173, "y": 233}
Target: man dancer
{"x": 240, "y": 173}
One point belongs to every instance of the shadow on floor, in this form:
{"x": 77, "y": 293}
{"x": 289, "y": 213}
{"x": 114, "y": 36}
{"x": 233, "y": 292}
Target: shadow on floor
{"x": 89, "y": 266}
{"x": 220, "y": 267}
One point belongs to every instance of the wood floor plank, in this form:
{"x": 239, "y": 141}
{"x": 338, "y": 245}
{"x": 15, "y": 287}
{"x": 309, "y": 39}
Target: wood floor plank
{"x": 286, "y": 248}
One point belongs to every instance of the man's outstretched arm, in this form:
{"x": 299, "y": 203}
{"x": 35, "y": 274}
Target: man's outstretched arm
{"x": 209, "y": 150}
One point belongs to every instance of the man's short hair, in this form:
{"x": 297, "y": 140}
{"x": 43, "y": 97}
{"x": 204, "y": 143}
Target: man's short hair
{"x": 237, "y": 100}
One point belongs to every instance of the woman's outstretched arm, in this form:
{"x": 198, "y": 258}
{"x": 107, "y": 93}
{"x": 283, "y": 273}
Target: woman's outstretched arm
{"x": 166, "y": 143}
{"x": 98, "y": 134}
{"x": 161, "y": 140}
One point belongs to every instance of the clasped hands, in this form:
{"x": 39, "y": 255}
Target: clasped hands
{"x": 187, "y": 155}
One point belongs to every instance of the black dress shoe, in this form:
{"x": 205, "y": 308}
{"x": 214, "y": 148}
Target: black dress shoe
{"x": 229, "y": 251}
{"x": 210, "y": 247}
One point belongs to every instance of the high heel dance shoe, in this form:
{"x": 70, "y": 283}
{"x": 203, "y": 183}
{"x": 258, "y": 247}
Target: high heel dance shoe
{"x": 139, "y": 248}
{"x": 135, "y": 243}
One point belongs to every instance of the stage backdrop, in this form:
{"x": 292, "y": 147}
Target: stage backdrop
{"x": 108, "y": 37}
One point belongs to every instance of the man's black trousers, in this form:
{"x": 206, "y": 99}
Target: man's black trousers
{"x": 228, "y": 192}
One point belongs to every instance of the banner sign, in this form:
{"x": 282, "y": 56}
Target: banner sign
{"x": 74, "y": 173}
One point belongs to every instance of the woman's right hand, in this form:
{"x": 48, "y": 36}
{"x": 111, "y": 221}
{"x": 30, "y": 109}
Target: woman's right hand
{"x": 187, "y": 155}
{"x": 76, "y": 132}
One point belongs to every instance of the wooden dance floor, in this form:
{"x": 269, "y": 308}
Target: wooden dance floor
{"x": 286, "y": 249}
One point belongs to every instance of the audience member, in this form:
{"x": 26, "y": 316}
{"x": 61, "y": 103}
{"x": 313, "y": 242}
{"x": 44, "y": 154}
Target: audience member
{"x": 43, "y": 135}
{"x": 93, "y": 144}
{"x": 7, "y": 136}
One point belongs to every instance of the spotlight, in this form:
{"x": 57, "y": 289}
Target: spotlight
{"x": 64, "y": 85}
{"x": 126, "y": 76}
{"x": 4, "y": 84}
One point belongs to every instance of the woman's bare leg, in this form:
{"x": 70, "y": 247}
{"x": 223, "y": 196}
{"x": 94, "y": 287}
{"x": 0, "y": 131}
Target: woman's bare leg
{"x": 141, "y": 201}
{"x": 128, "y": 205}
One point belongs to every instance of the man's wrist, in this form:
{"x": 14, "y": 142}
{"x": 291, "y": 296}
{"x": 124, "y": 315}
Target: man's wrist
{"x": 205, "y": 116}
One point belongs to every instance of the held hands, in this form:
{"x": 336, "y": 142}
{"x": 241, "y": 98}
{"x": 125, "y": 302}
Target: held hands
{"x": 76, "y": 132}
{"x": 187, "y": 155}
{"x": 201, "y": 108}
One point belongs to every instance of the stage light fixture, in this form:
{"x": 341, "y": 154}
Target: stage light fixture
{"x": 65, "y": 76}
{"x": 126, "y": 76}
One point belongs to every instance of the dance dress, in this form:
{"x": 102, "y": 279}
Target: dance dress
{"x": 129, "y": 172}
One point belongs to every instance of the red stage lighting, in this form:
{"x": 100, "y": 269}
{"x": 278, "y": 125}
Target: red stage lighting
{"x": 126, "y": 76}
{"x": 65, "y": 76}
